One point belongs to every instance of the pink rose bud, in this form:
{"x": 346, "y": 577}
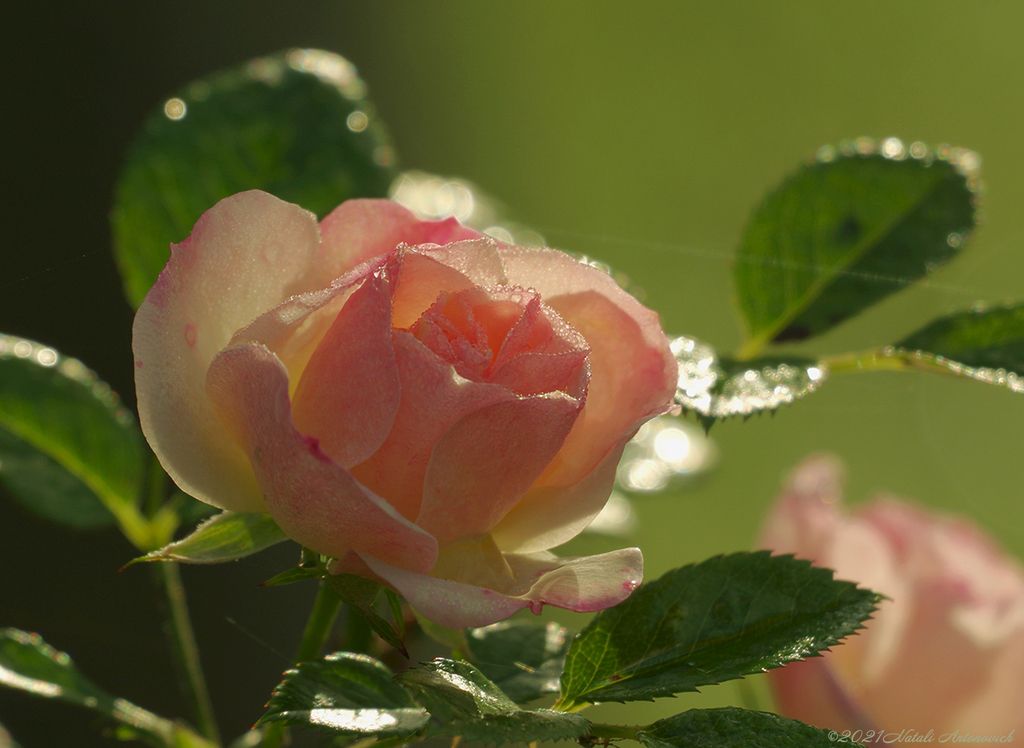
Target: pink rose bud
{"x": 423, "y": 405}
{"x": 945, "y": 655}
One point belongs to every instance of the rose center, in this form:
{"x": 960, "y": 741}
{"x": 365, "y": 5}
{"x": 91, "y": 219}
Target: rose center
{"x": 474, "y": 331}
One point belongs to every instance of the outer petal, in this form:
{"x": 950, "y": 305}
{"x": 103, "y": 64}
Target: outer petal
{"x": 582, "y": 584}
{"x": 359, "y": 230}
{"x": 244, "y": 255}
{"x": 349, "y": 391}
{"x": 312, "y": 498}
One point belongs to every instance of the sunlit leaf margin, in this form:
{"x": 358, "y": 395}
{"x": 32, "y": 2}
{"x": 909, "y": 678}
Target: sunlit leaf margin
{"x": 705, "y": 623}
{"x": 729, "y": 727}
{"x": 296, "y": 124}
{"x": 62, "y": 409}
{"x": 717, "y": 388}
{"x": 848, "y": 229}
{"x": 30, "y": 665}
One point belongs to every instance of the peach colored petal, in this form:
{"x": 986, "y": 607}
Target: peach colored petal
{"x": 312, "y": 498}
{"x": 582, "y": 584}
{"x": 349, "y": 392}
{"x": 620, "y": 397}
{"x": 548, "y": 516}
{"x": 359, "y": 230}
{"x": 485, "y": 462}
{"x": 808, "y": 691}
{"x": 244, "y": 255}
{"x": 419, "y": 280}
{"x": 433, "y": 398}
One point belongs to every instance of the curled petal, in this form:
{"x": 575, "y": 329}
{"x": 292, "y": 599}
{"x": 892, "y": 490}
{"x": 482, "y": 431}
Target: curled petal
{"x": 583, "y": 584}
{"x": 349, "y": 392}
{"x": 244, "y": 255}
{"x": 313, "y": 499}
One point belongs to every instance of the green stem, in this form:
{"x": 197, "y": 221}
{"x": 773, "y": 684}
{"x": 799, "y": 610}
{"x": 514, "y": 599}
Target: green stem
{"x": 615, "y": 732}
{"x": 318, "y": 628}
{"x": 182, "y": 638}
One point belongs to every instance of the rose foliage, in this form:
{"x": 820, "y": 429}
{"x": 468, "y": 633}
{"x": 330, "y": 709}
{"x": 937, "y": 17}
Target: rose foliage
{"x": 945, "y": 654}
{"x": 421, "y": 404}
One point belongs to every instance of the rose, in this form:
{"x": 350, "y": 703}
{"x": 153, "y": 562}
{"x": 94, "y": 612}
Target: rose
{"x": 944, "y": 654}
{"x": 421, "y": 404}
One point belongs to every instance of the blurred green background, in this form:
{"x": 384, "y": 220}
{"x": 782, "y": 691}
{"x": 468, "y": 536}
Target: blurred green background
{"x": 640, "y": 133}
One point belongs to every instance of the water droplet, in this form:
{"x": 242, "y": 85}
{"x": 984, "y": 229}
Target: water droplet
{"x": 357, "y": 121}
{"x": 892, "y": 148}
{"x": 175, "y": 109}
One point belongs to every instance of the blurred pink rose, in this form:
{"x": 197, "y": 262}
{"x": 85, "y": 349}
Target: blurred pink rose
{"x": 414, "y": 400}
{"x": 945, "y": 654}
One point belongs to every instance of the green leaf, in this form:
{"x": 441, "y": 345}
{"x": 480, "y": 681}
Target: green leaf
{"x": 56, "y": 406}
{"x": 730, "y": 727}
{"x": 360, "y": 594}
{"x": 296, "y": 124}
{"x": 714, "y": 387}
{"x": 466, "y": 703}
{"x": 984, "y": 343}
{"x": 43, "y": 486}
{"x": 227, "y": 536}
{"x": 523, "y": 659}
{"x": 293, "y": 575}
{"x": 345, "y": 692}
{"x": 710, "y": 622}
{"x": 28, "y": 664}
{"x": 846, "y": 231}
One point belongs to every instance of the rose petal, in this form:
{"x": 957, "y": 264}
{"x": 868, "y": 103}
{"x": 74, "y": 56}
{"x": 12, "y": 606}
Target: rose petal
{"x": 582, "y": 584}
{"x": 486, "y": 461}
{"x": 349, "y": 392}
{"x": 313, "y": 499}
{"x": 433, "y": 398}
{"x": 244, "y": 255}
{"x": 548, "y": 516}
{"x": 359, "y": 230}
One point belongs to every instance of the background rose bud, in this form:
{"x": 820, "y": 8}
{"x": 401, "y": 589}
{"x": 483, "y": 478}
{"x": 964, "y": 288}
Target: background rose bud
{"x": 945, "y": 654}
{"x": 407, "y": 397}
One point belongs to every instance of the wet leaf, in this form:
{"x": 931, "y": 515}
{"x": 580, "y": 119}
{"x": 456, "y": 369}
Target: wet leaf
{"x": 464, "y": 702}
{"x": 295, "y": 124}
{"x": 710, "y": 622}
{"x": 846, "y": 231}
{"x": 715, "y": 388}
{"x": 346, "y": 693}
{"x": 730, "y": 727}
{"x": 985, "y": 344}
{"x": 523, "y": 659}
{"x": 88, "y": 442}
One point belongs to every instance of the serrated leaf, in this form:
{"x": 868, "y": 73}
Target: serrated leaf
{"x": 227, "y": 536}
{"x": 846, "y": 231}
{"x": 360, "y": 594}
{"x": 710, "y": 622}
{"x": 345, "y": 692}
{"x": 523, "y": 659}
{"x": 55, "y": 405}
{"x": 28, "y": 664}
{"x": 985, "y": 344}
{"x": 730, "y": 727}
{"x": 464, "y": 702}
{"x": 295, "y": 124}
{"x": 714, "y": 387}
